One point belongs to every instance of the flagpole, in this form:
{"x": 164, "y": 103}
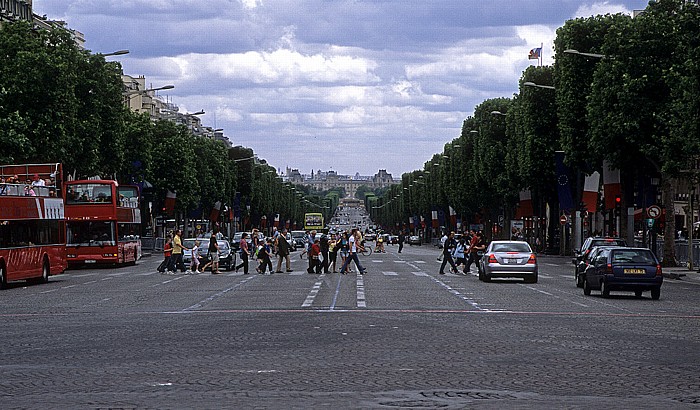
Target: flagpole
{"x": 541, "y": 53}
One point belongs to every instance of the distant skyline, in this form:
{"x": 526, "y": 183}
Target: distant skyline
{"x": 351, "y": 85}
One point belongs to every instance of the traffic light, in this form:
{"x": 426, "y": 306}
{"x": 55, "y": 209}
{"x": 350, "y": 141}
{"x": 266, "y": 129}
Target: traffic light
{"x": 618, "y": 205}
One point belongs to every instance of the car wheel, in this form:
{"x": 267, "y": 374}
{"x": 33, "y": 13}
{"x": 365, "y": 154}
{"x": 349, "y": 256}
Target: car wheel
{"x": 579, "y": 279}
{"x": 604, "y": 289}
{"x": 487, "y": 278}
{"x": 656, "y": 293}
{"x": 532, "y": 279}
{"x": 586, "y": 287}
{"x": 638, "y": 293}
{"x": 481, "y": 275}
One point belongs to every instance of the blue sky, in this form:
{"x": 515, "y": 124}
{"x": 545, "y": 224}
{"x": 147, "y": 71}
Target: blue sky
{"x": 351, "y": 85}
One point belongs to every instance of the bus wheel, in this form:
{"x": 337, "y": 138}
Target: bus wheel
{"x": 45, "y": 271}
{"x": 3, "y": 277}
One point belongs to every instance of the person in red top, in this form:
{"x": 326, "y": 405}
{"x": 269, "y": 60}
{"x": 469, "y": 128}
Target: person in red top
{"x": 314, "y": 257}
{"x": 167, "y": 252}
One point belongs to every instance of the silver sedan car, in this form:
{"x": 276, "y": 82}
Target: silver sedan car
{"x": 508, "y": 259}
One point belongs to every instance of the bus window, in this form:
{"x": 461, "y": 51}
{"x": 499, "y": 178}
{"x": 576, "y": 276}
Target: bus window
{"x": 87, "y": 233}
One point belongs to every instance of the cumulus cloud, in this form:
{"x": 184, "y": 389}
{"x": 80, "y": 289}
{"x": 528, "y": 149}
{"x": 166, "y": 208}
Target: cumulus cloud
{"x": 604, "y": 7}
{"x": 351, "y": 85}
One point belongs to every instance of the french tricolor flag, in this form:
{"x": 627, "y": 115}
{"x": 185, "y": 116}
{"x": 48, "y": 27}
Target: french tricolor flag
{"x": 590, "y": 192}
{"x": 611, "y": 184}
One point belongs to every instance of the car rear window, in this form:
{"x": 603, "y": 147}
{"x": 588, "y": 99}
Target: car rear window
{"x": 608, "y": 242}
{"x": 512, "y": 247}
{"x": 641, "y": 256}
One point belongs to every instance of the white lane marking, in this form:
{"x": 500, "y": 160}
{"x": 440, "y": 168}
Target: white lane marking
{"x": 551, "y": 264}
{"x": 399, "y": 261}
{"x": 145, "y": 274}
{"x": 465, "y": 298}
{"x": 568, "y": 276}
{"x": 361, "y": 301}
{"x": 419, "y": 261}
{"x": 173, "y": 279}
{"x": 83, "y": 275}
{"x": 49, "y": 291}
{"x": 108, "y": 278}
{"x": 544, "y": 276}
{"x": 555, "y": 296}
{"x": 118, "y": 274}
{"x": 313, "y": 293}
{"x": 389, "y": 273}
{"x": 420, "y": 273}
{"x": 539, "y": 290}
{"x": 377, "y": 261}
{"x": 216, "y": 295}
{"x": 89, "y": 282}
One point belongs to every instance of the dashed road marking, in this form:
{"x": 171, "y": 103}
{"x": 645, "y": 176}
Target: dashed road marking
{"x": 388, "y": 273}
{"x": 216, "y": 295}
{"x": 360, "y": 284}
{"x": 455, "y": 292}
{"x": 313, "y": 293}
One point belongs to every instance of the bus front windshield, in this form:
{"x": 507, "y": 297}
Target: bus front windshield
{"x": 86, "y": 233}
{"x": 88, "y": 193}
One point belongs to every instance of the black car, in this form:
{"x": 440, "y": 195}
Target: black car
{"x": 227, "y": 257}
{"x": 624, "y": 269}
{"x": 591, "y": 243}
{"x": 580, "y": 268}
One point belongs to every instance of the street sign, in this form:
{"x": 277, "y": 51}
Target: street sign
{"x": 654, "y": 212}
{"x": 563, "y": 219}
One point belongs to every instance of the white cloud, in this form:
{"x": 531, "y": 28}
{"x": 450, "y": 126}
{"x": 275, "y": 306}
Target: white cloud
{"x": 603, "y": 8}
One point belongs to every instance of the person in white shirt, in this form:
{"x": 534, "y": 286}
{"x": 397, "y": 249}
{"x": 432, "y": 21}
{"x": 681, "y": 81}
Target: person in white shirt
{"x": 38, "y": 181}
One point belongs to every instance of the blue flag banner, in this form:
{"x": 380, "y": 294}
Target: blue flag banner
{"x": 566, "y": 202}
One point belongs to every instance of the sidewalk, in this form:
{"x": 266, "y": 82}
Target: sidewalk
{"x": 682, "y": 273}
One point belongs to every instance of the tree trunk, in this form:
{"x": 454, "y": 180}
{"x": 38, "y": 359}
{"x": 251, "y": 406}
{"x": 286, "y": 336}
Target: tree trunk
{"x": 669, "y": 194}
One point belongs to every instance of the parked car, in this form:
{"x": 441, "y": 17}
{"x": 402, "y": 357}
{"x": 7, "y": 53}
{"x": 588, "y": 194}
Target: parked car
{"x": 370, "y": 236}
{"x": 227, "y": 257}
{"x": 592, "y": 242}
{"x": 624, "y": 269}
{"x": 508, "y": 259}
{"x": 414, "y": 240}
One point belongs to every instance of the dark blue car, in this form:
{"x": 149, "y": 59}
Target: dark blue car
{"x": 624, "y": 269}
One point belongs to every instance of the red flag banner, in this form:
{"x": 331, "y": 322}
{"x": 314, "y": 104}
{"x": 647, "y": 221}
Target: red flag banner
{"x": 525, "y": 208}
{"x": 170, "y": 203}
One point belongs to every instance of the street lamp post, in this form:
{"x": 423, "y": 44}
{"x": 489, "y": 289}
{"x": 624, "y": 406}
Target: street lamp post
{"x": 114, "y": 53}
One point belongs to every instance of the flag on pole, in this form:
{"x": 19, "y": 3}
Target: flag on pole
{"x": 434, "y": 215}
{"x": 214, "y": 215}
{"x": 170, "y": 203}
{"x": 453, "y": 217}
{"x": 590, "y": 191}
{"x": 566, "y": 201}
{"x": 611, "y": 184}
{"x": 535, "y": 53}
{"x": 525, "y": 206}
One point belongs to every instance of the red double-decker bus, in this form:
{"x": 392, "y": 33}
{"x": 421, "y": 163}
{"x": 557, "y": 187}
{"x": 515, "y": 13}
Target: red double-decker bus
{"x": 32, "y": 224}
{"x": 103, "y": 223}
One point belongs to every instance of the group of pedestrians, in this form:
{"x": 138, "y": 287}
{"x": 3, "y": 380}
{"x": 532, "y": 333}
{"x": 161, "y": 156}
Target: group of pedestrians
{"x": 323, "y": 252}
{"x": 173, "y": 251}
{"x": 463, "y": 252}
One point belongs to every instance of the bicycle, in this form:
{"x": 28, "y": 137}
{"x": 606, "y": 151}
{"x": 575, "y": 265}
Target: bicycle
{"x": 366, "y": 250}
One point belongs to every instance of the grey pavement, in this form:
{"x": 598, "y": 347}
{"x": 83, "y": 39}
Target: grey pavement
{"x": 401, "y": 336}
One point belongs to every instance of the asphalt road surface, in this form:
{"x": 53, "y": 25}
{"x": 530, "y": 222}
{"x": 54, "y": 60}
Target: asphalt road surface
{"x": 401, "y": 336}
